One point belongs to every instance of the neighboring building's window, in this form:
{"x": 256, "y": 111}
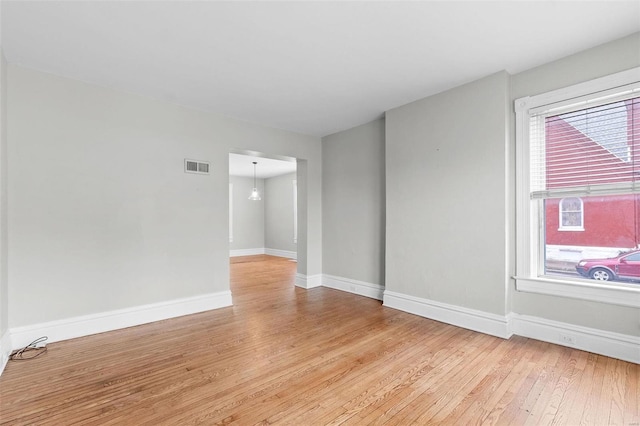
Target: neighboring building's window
{"x": 230, "y": 212}
{"x": 578, "y": 161}
{"x": 571, "y": 216}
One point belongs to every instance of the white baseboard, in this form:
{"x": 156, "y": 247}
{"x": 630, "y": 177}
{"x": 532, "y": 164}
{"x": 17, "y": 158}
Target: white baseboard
{"x": 5, "y": 349}
{"x": 362, "y": 288}
{"x": 484, "y": 322}
{"x": 246, "y": 252}
{"x": 308, "y": 281}
{"x": 269, "y": 251}
{"x": 106, "y": 321}
{"x": 614, "y": 345}
{"x": 282, "y": 253}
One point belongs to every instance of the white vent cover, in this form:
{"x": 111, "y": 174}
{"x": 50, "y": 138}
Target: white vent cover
{"x": 195, "y": 166}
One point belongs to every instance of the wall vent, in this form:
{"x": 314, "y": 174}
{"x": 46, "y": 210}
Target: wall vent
{"x": 195, "y": 166}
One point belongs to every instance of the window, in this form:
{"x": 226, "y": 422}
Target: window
{"x": 571, "y": 216}
{"x": 578, "y": 165}
{"x": 633, "y": 257}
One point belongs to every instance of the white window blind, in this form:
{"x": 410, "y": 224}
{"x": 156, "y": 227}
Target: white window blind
{"x": 587, "y": 147}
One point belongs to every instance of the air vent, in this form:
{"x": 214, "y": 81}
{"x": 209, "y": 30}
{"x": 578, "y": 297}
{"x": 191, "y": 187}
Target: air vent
{"x": 195, "y": 166}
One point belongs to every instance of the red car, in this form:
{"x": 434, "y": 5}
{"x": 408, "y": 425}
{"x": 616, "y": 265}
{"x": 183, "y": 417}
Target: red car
{"x": 625, "y": 266}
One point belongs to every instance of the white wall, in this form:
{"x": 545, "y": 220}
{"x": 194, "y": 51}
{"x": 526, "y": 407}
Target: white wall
{"x": 267, "y": 223}
{"x": 354, "y": 203}
{"x": 101, "y": 215}
{"x": 451, "y": 196}
{"x": 278, "y": 216}
{"x": 599, "y": 61}
{"x": 309, "y": 211}
{"x": 4, "y": 287}
{"x": 446, "y": 196}
{"x": 248, "y": 215}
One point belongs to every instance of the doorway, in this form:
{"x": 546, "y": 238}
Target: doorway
{"x": 263, "y": 206}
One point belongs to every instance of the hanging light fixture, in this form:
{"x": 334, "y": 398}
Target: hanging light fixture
{"x": 255, "y": 195}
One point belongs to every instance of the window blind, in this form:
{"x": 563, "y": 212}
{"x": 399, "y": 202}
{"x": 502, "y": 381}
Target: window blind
{"x": 589, "y": 149}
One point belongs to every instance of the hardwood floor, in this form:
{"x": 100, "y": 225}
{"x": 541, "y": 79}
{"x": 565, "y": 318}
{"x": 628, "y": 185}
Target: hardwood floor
{"x": 284, "y": 355}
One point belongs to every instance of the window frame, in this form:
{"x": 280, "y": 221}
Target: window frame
{"x": 529, "y": 275}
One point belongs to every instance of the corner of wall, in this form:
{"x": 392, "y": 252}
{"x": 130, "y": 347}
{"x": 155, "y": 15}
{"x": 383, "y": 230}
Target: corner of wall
{"x": 5, "y": 349}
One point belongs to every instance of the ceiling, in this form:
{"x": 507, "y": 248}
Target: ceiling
{"x": 309, "y": 67}
{"x": 242, "y": 165}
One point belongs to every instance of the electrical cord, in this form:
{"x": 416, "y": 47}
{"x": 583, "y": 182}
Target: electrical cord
{"x": 30, "y": 351}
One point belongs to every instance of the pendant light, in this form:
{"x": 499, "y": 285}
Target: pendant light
{"x": 255, "y": 195}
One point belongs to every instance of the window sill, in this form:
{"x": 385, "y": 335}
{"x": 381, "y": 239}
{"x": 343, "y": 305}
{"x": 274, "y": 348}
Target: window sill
{"x": 622, "y": 294}
{"x": 569, "y": 228}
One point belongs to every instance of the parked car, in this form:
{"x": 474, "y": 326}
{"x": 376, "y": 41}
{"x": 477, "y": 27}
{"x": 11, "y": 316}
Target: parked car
{"x": 625, "y": 266}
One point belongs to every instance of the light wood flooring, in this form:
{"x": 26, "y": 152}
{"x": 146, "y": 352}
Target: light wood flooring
{"x": 284, "y": 355}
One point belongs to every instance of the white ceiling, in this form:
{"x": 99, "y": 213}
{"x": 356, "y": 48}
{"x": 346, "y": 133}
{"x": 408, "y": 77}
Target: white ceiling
{"x": 242, "y": 165}
{"x": 309, "y": 67}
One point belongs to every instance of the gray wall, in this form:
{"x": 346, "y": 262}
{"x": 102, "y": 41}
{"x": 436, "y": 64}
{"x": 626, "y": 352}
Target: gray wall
{"x": 354, "y": 203}
{"x": 451, "y": 195}
{"x": 248, "y": 215}
{"x": 105, "y": 218}
{"x": 278, "y": 214}
{"x": 599, "y": 61}
{"x": 101, "y": 215}
{"x": 446, "y": 196}
{"x": 4, "y": 286}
